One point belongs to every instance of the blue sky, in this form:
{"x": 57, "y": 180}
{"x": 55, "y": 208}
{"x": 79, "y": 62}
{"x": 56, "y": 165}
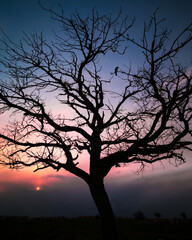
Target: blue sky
{"x": 18, "y": 15}
{"x": 128, "y": 192}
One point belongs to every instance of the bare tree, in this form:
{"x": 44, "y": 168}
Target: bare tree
{"x": 149, "y": 121}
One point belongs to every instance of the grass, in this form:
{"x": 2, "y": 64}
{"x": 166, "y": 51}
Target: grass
{"x": 89, "y": 228}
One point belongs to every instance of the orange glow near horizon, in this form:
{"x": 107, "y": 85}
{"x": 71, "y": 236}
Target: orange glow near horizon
{"x": 33, "y": 180}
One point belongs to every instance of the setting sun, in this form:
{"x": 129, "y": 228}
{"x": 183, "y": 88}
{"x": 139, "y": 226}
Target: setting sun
{"x": 38, "y": 188}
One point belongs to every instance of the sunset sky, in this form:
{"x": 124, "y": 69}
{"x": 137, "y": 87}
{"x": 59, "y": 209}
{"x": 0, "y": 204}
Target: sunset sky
{"x": 163, "y": 188}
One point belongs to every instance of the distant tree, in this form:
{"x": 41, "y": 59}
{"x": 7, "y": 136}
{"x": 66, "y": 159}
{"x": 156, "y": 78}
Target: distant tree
{"x": 149, "y": 121}
{"x": 184, "y": 215}
{"x": 157, "y": 215}
{"x": 139, "y": 215}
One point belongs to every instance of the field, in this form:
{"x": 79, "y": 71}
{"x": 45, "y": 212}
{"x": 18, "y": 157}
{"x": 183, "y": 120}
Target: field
{"x": 87, "y": 228}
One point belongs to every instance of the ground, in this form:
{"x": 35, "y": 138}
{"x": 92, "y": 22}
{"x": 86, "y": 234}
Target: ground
{"x": 86, "y": 228}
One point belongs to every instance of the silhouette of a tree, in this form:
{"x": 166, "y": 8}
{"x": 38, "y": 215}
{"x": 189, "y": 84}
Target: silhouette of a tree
{"x": 139, "y": 215}
{"x": 149, "y": 121}
{"x": 184, "y": 215}
{"x": 157, "y": 215}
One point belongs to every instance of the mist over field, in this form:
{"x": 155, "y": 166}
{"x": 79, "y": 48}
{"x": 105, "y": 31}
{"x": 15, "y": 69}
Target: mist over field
{"x": 168, "y": 194}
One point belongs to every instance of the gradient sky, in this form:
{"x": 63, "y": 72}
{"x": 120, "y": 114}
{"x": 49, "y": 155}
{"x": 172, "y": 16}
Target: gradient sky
{"x": 163, "y": 188}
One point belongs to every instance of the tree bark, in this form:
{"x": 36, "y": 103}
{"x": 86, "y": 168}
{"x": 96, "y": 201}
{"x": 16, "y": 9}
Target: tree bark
{"x": 103, "y": 204}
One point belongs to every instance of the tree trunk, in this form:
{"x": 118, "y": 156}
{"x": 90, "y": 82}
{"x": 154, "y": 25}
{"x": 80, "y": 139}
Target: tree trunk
{"x": 103, "y": 204}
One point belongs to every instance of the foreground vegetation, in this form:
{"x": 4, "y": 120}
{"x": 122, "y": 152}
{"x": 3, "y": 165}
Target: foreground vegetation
{"x": 86, "y": 228}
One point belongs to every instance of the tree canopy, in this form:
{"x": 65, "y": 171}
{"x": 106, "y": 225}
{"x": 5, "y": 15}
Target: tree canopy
{"x": 159, "y": 94}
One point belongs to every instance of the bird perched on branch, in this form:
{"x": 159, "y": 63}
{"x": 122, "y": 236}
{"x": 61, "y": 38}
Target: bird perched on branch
{"x": 116, "y": 70}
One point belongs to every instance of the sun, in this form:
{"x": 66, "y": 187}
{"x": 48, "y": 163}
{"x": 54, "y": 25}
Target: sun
{"x": 38, "y": 188}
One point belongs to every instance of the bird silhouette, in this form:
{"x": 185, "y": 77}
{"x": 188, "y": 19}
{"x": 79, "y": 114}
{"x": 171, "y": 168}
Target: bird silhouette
{"x": 116, "y": 70}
